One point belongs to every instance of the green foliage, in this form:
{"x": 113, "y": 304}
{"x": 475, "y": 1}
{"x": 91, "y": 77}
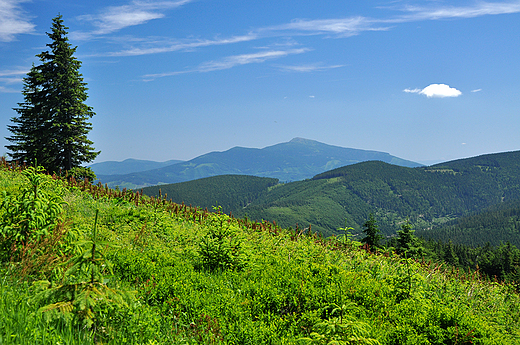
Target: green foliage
{"x": 30, "y": 215}
{"x": 20, "y": 322}
{"x": 373, "y": 234}
{"x": 81, "y": 173}
{"x": 221, "y": 247}
{"x": 83, "y": 290}
{"x": 52, "y": 124}
{"x": 340, "y": 330}
{"x": 407, "y": 244}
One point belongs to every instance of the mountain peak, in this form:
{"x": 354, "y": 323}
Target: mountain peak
{"x": 302, "y": 140}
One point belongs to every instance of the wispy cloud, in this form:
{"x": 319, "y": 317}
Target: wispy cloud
{"x": 342, "y": 27}
{"x": 482, "y": 8}
{"x": 231, "y": 61}
{"x": 476, "y": 90}
{"x": 13, "y": 20}
{"x": 436, "y": 90}
{"x": 14, "y": 72}
{"x": 186, "y": 45}
{"x": 306, "y": 67}
{"x": 350, "y": 26}
{"x": 115, "y": 18}
{"x": 12, "y": 76}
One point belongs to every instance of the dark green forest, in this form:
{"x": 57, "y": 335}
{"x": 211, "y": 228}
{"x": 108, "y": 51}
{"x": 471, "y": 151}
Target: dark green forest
{"x": 495, "y": 225}
{"x": 230, "y": 192}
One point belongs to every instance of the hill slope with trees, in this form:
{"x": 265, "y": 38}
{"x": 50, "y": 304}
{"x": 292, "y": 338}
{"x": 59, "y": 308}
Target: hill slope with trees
{"x": 230, "y": 192}
{"x": 495, "y": 225}
{"x": 428, "y": 196}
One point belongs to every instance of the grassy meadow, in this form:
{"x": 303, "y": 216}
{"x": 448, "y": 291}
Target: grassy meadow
{"x": 83, "y": 264}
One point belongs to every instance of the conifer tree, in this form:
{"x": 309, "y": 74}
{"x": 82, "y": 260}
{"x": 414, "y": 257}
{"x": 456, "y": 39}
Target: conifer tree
{"x": 373, "y": 234}
{"x": 407, "y": 243}
{"x": 52, "y": 123}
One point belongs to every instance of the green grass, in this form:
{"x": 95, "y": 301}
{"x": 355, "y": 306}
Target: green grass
{"x": 205, "y": 278}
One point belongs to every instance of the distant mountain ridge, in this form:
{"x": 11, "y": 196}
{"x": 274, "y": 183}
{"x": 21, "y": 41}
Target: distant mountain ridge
{"x": 295, "y": 160}
{"x": 128, "y": 166}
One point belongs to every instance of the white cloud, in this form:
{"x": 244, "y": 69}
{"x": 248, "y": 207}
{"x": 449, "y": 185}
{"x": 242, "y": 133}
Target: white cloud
{"x": 479, "y": 9}
{"x": 115, "y": 18}
{"x": 343, "y": 27}
{"x": 436, "y": 90}
{"x": 412, "y": 90}
{"x": 182, "y": 46}
{"x": 307, "y": 67}
{"x": 476, "y": 90}
{"x": 13, "y": 20}
{"x": 231, "y": 61}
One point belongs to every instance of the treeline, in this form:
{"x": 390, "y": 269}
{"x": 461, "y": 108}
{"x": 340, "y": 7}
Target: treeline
{"x": 500, "y": 263}
{"x": 497, "y": 263}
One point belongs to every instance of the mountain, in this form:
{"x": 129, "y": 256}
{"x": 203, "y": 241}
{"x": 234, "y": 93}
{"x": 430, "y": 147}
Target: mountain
{"x": 295, "y": 160}
{"x": 428, "y": 196}
{"x": 128, "y": 166}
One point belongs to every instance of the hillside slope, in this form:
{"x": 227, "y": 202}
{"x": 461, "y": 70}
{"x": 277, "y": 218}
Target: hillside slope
{"x": 230, "y": 192}
{"x": 295, "y": 160}
{"x": 193, "y": 277}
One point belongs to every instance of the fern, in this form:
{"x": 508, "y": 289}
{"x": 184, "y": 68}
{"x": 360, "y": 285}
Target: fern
{"x": 83, "y": 290}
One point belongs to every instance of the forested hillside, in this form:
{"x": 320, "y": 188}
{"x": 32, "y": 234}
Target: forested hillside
{"x": 495, "y": 225}
{"x": 230, "y": 192}
{"x": 428, "y": 196}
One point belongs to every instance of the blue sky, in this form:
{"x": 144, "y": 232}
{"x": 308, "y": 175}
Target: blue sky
{"x": 423, "y": 80}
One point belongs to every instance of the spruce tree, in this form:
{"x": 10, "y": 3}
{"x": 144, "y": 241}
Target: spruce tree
{"x": 407, "y": 243}
{"x": 373, "y": 234}
{"x": 52, "y": 123}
